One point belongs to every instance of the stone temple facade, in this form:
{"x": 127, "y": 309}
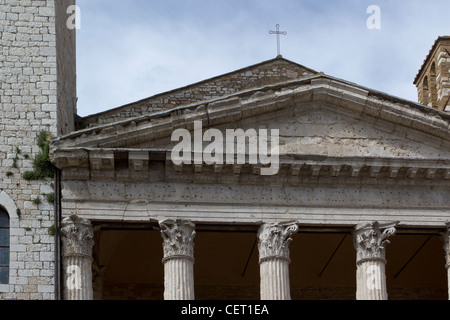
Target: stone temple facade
{"x": 357, "y": 207}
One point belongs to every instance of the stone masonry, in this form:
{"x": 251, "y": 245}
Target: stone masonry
{"x": 433, "y": 79}
{"x": 37, "y": 92}
{"x": 269, "y": 72}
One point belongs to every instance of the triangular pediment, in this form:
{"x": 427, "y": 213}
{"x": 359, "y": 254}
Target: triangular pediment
{"x": 314, "y": 116}
{"x": 325, "y": 125}
{"x": 321, "y": 130}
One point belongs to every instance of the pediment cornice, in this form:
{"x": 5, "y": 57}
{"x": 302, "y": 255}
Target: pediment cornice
{"x": 341, "y": 95}
{"x": 96, "y": 153}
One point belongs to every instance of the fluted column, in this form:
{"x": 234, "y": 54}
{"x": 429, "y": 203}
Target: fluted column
{"x": 447, "y": 256}
{"x": 273, "y": 245}
{"x": 178, "y": 245}
{"x": 370, "y": 241}
{"x": 77, "y": 242}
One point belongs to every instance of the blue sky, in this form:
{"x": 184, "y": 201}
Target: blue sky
{"x": 129, "y": 52}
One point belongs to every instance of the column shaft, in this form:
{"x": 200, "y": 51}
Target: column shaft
{"x": 371, "y": 279}
{"x": 448, "y": 281}
{"x": 78, "y": 282}
{"x": 275, "y": 279}
{"x": 179, "y": 279}
{"x": 447, "y": 256}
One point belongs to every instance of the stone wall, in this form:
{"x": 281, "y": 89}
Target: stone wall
{"x": 270, "y": 72}
{"x": 28, "y": 104}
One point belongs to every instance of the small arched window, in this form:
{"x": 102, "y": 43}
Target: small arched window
{"x": 424, "y": 96}
{"x": 433, "y": 69}
{"x": 425, "y": 83}
{"x": 4, "y": 247}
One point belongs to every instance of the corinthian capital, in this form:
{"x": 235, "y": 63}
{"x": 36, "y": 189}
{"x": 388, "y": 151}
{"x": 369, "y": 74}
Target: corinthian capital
{"x": 370, "y": 240}
{"x": 77, "y": 237}
{"x": 178, "y": 238}
{"x": 274, "y": 239}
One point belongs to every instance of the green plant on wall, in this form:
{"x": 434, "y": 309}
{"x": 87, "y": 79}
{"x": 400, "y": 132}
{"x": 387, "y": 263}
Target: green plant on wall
{"x": 41, "y": 163}
{"x": 52, "y": 230}
{"x": 37, "y": 201}
{"x": 50, "y": 197}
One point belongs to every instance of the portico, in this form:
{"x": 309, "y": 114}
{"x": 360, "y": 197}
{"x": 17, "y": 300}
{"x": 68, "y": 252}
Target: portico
{"x": 352, "y": 162}
{"x": 226, "y": 267}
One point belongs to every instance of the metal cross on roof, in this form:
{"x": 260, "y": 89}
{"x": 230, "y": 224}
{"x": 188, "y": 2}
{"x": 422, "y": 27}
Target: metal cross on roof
{"x": 278, "y": 33}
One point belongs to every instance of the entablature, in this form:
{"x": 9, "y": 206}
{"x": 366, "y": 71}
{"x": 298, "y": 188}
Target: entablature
{"x": 150, "y": 165}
